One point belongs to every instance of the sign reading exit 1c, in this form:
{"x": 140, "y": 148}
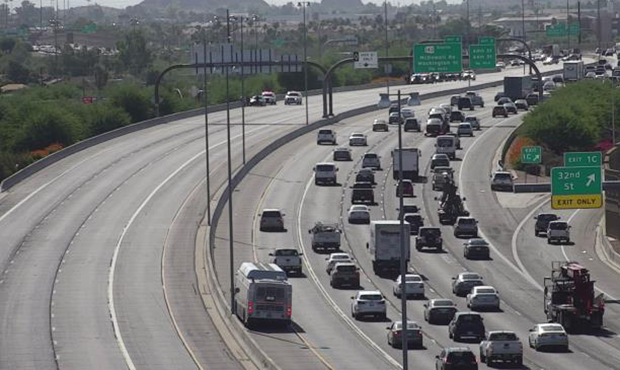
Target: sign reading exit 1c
{"x": 583, "y": 159}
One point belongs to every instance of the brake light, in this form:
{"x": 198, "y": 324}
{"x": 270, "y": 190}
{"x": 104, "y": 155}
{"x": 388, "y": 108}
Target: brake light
{"x": 289, "y": 310}
{"x": 397, "y": 333}
{"x": 250, "y": 307}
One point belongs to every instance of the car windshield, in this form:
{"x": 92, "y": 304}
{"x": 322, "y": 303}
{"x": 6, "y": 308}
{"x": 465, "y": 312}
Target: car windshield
{"x": 485, "y": 291}
{"x": 325, "y": 132}
{"x": 460, "y": 357}
{"x": 287, "y": 252}
{"x": 410, "y": 325}
{"x": 414, "y": 278}
{"x": 477, "y": 242}
{"x": 467, "y": 221}
{"x": 346, "y": 268}
{"x": 324, "y": 167}
{"x": 294, "y": 94}
{"x": 464, "y": 126}
{"x": 443, "y": 303}
{"x": 359, "y": 208}
{"x": 271, "y": 214}
{"x": 552, "y": 327}
{"x": 340, "y": 257}
{"x": 430, "y": 232}
{"x": 547, "y": 217}
{"x": 413, "y": 218}
{"x": 558, "y": 226}
{"x": 503, "y": 176}
{"x": 445, "y": 142}
{"x": 370, "y": 156}
{"x": 500, "y": 108}
{"x": 470, "y": 318}
{"x": 371, "y": 297}
{"x": 503, "y": 337}
{"x": 267, "y": 93}
{"x": 471, "y": 119}
{"x": 471, "y": 277}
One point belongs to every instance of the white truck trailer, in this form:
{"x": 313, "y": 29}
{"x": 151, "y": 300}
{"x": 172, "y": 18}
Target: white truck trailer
{"x": 573, "y": 70}
{"x": 411, "y": 163}
{"x": 384, "y": 245}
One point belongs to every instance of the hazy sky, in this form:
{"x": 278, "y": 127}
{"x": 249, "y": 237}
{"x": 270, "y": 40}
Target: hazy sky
{"x": 124, "y": 3}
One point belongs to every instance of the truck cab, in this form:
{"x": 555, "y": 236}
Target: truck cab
{"x": 289, "y": 260}
{"x": 558, "y": 231}
{"x": 501, "y": 346}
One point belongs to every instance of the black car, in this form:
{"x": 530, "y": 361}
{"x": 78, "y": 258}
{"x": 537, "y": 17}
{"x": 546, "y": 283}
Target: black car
{"x": 416, "y": 221}
{"x": 457, "y": 116}
{"x": 429, "y": 237}
{"x": 465, "y": 103}
{"x": 466, "y": 325}
{"x": 362, "y": 193}
{"x": 365, "y": 175}
{"x": 542, "y": 222}
{"x": 342, "y": 154}
{"x": 412, "y": 124}
{"x": 499, "y": 95}
{"x": 456, "y": 358}
{"x": 408, "y": 208}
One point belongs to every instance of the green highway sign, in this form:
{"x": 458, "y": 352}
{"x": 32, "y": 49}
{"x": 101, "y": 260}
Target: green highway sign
{"x": 486, "y": 41}
{"x": 583, "y": 159}
{"x": 453, "y": 39}
{"x": 574, "y": 29}
{"x": 429, "y": 58}
{"x": 531, "y": 155}
{"x": 560, "y": 30}
{"x": 576, "y": 187}
{"x": 482, "y": 56}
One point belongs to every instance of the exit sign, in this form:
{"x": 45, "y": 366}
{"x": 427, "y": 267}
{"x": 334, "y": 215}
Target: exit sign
{"x": 583, "y": 159}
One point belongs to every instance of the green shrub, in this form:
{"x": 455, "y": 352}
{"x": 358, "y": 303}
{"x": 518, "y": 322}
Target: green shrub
{"x": 134, "y": 100}
{"x": 48, "y": 124}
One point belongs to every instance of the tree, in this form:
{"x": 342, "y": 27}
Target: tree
{"x": 134, "y": 52}
{"x": 7, "y": 44}
{"x": 101, "y": 76}
{"x": 134, "y": 100}
{"x": 18, "y": 73}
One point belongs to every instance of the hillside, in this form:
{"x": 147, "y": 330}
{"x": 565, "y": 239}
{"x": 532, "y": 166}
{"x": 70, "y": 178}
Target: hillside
{"x": 202, "y": 5}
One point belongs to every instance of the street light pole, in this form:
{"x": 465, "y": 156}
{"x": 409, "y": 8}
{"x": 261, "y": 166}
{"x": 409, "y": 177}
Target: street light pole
{"x": 242, "y": 93}
{"x": 304, "y": 5}
{"x": 523, "y": 26}
{"x": 403, "y": 252}
{"x": 204, "y": 93}
{"x": 230, "y": 192}
{"x": 567, "y": 25}
{"x": 387, "y": 49}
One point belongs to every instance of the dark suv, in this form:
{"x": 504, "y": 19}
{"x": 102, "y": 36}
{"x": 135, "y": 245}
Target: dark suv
{"x": 412, "y": 124}
{"x": 542, "y": 222}
{"x": 362, "y": 193}
{"x": 456, "y": 358}
{"x": 429, "y": 237}
{"x": 465, "y": 103}
{"x": 365, "y": 175}
{"x": 466, "y": 325}
{"x": 416, "y": 221}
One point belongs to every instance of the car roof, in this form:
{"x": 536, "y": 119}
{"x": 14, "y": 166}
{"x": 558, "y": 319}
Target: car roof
{"x": 437, "y": 300}
{"x": 465, "y": 124}
{"x": 339, "y": 255}
{"x": 457, "y": 349}
{"x": 271, "y": 210}
{"x": 470, "y": 273}
{"x": 467, "y": 313}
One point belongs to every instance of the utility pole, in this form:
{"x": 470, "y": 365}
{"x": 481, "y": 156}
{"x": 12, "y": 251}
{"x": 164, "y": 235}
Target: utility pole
{"x": 206, "y": 102}
{"x": 579, "y": 22}
{"x": 468, "y": 25}
{"x": 304, "y": 5}
{"x": 598, "y": 23}
{"x": 523, "y": 26}
{"x": 230, "y": 192}
{"x": 567, "y": 24}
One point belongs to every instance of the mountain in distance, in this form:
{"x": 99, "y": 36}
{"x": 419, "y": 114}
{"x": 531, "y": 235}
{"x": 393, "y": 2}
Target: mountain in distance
{"x": 204, "y": 5}
{"x": 342, "y": 4}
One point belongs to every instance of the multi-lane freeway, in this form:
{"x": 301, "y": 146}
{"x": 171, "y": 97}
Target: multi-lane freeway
{"x": 97, "y": 259}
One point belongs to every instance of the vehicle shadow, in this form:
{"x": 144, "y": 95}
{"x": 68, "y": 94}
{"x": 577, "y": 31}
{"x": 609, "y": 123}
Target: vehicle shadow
{"x": 506, "y": 365}
{"x": 374, "y": 319}
{"x": 283, "y": 230}
{"x": 265, "y": 327}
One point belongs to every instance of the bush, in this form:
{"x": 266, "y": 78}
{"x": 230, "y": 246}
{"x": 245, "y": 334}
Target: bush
{"x": 133, "y": 100}
{"x": 102, "y": 118}
{"x": 48, "y": 124}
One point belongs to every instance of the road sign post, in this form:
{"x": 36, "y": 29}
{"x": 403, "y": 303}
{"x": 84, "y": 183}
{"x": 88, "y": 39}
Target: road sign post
{"x": 428, "y": 58}
{"x": 531, "y": 155}
{"x": 576, "y": 187}
{"x": 367, "y": 60}
{"x": 583, "y": 159}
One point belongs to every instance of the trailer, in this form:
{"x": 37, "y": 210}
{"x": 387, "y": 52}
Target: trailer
{"x": 569, "y": 297}
{"x": 573, "y": 70}
{"x": 384, "y": 246}
{"x": 517, "y": 87}
{"x": 410, "y": 166}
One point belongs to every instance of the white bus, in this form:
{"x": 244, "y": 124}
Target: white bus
{"x": 262, "y": 292}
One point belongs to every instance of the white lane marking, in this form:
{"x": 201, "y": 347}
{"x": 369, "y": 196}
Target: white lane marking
{"x": 562, "y": 246}
{"x": 520, "y": 270}
{"x": 111, "y": 306}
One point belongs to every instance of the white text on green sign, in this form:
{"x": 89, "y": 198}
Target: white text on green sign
{"x": 583, "y": 159}
{"x": 429, "y": 58}
{"x": 531, "y": 155}
{"x": 482, "y": 56}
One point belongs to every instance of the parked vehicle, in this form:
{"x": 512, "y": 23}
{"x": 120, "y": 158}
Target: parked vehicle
{"x": 325, "y": 237}
{"x": 289, "y": 260}
{"x": 501, "y": 346}
{"x": 384, "y": 245}
{"x": 262, "y": 292}
{"x": 439, "y": 311}
{"x": 429, "y": 237}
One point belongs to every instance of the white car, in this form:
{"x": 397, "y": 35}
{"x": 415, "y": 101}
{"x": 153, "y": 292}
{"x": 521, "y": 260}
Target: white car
{"x": 334, "y": 258}
{"x": 371, "y": 160}
{"x": 368, "y": 302}
{"x": 380, "y": 125}
{"x": 463, "y": 283}
{"x": 414, "y": 285}
{"x": 270, "y": 97}
{"x": 548, "y": 335}
{"x": 326, "y": 136}
{"x": 293, "y": 97}
{"x": 465, "y": 129}
{"x": 359, "y": 214}
{"x": 407, "y": 112}
{"x": 483, "y": 296}
{"x": 357, "y": 139}
{"x": 500, "y": 65}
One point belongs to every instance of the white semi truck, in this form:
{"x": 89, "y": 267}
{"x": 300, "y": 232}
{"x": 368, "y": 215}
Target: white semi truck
{"x": 384, "y": 245}
{"x": 411, "y": 163}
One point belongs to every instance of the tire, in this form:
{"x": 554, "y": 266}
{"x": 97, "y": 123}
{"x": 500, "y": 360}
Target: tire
{"x": 483, "y": 358}
{"x": 536, "y": 233}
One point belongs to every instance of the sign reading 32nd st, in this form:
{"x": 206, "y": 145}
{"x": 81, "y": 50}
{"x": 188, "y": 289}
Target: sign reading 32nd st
{"x": 576, "y": 187}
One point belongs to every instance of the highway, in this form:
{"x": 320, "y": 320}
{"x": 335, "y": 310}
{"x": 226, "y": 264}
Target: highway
{"x": 96, "y": 262}
{"x": 287, "y": 176}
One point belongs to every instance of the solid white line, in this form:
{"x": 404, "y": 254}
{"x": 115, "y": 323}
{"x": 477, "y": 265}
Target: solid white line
{"x": 111, "y": 306}
{"x": 521, "y": 271}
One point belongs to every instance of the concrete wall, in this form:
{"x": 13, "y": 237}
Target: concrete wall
{"x": 612, "y": 197}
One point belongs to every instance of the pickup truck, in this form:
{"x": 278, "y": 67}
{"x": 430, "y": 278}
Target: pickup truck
{"x": 325, "y": 237}
{"x": 289, "y": 260}
{"x": 502, "y": 346}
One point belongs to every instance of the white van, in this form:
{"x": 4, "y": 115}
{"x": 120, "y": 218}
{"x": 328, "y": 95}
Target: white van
{"x": 325, "y": 173}
{"x": 446, "y": 144}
